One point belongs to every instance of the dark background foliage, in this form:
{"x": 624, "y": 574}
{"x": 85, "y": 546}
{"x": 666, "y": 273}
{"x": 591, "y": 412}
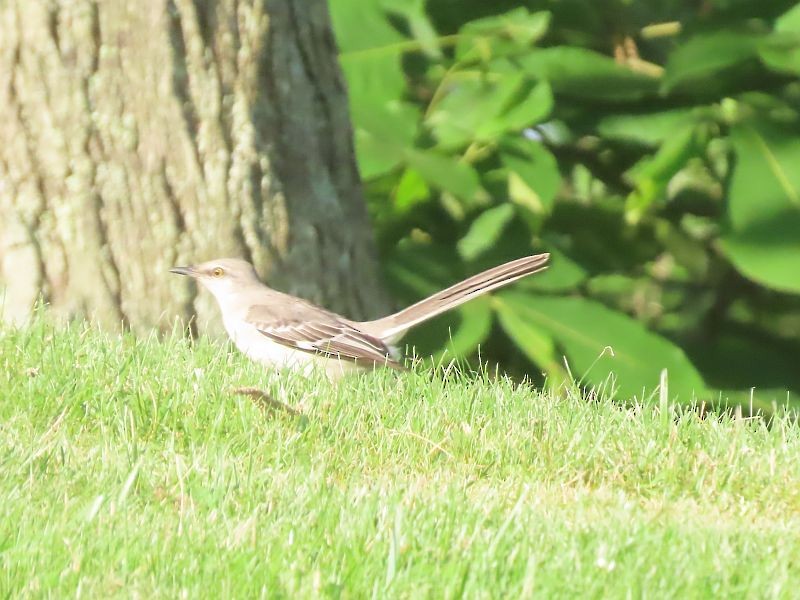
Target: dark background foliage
{"x": 652, "y": 148}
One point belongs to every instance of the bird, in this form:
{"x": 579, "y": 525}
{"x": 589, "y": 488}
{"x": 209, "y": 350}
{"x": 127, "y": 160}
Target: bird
{"x": 283, "y": 331}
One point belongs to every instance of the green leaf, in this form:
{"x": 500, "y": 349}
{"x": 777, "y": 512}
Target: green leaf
{"x": 456, "y": 119}
{"x": 474, "y": 326}
{"x": 768, "y": 253}
{"x": 562, "y": 274}
{"x": 763, "y": 240}
{"x": 652, "y": 174}
{"x": 376, "y": 156}
{"x": 650, "y": 129}
{"x": 599, "y": 341}
{"x": 500, "y": 35}
{"x": 586, "y": 74}
{"x": 482, "y": 109}
{"x": 362, "y": 25}
{"x": 534, "y": 106}
{"x": 393, "y": 124}
{"x": 384, "y": 126}
{"x": 535, "y": 343}
{"x": 420, "y": 26}
{"x": 789, "y": 21}
{"x": 447, "y": 173}
{"x": 485, "y": 230}
{"x": 765, "y": 180}
{"x": 781, "y": 52}
{"x": 411, "y": 190}
{"x": 706, "y": 54}
{"x": 533, "y": 175}
{"x": 367, "y": 43}
{"x": 372, "y": 63}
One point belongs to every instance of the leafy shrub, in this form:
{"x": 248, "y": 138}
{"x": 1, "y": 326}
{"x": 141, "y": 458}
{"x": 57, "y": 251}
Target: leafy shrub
{"x": 654, "y": 151}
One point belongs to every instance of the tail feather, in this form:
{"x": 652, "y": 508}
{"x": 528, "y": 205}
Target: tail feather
{"x": 394, "y": 326}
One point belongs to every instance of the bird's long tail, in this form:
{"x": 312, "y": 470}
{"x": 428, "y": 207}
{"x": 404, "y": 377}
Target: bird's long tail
{"x": 393, "y": 327}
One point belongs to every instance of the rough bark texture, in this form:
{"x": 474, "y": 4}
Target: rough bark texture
{"x": 140, "y": 135}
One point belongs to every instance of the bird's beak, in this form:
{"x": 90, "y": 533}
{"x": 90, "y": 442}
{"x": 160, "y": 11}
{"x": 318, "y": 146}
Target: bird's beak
{"x": 189, "y": 271}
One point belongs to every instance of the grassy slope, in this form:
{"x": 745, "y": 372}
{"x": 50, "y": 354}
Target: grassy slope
{"x": 128, "y": 468}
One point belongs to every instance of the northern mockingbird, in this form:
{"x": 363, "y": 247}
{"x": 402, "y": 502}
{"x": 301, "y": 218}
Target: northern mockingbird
{"x": 280, "y": 330}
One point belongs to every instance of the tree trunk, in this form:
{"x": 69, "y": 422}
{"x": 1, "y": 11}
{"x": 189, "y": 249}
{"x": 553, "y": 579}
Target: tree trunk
{"x": 139, "y": 135}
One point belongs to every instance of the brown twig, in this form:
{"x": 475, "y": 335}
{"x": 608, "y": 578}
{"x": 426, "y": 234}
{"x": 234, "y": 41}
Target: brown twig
{"x": 264, "y": 401}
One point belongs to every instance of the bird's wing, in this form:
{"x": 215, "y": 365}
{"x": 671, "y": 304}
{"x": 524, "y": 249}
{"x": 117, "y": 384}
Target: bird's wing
{"x": 323, "y": 333}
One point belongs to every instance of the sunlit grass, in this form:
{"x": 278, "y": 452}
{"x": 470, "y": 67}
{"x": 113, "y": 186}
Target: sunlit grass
{"x": 128, "y": 468}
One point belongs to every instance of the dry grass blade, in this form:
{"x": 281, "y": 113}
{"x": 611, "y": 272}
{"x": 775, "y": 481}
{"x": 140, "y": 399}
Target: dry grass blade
{"x": 264, "y": 401}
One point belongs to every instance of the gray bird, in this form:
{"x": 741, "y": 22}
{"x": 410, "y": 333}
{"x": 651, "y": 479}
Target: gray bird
{"x": 280, "y": 330}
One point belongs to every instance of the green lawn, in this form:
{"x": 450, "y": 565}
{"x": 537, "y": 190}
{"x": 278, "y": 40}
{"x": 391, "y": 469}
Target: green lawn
{"x": 128, "y": 469}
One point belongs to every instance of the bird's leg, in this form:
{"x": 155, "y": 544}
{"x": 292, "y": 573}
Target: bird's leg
{"x": 264, "y": 401}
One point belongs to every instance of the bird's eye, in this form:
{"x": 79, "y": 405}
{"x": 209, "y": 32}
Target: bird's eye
{"x": 218, "y": 272}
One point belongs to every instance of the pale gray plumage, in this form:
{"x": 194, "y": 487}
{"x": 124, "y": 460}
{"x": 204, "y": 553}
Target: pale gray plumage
{"x": 281, "y": 330}
{"x": 311, "y": 329}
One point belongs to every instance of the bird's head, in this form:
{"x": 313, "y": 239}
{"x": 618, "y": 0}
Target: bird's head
{"x": 221, "y": 276}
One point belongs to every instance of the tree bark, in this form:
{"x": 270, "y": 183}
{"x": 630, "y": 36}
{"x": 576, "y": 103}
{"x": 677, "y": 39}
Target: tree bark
{"x": 140, "y": 135}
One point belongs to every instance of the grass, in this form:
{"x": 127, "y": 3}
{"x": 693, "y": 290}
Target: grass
{"x": 128, "y": 469}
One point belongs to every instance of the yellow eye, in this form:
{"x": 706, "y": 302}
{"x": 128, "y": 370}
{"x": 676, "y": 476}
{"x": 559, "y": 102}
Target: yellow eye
{"x": 218, "y": 272}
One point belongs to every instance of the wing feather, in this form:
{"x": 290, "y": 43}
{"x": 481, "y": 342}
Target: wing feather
{"x": 329, "y": 337}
